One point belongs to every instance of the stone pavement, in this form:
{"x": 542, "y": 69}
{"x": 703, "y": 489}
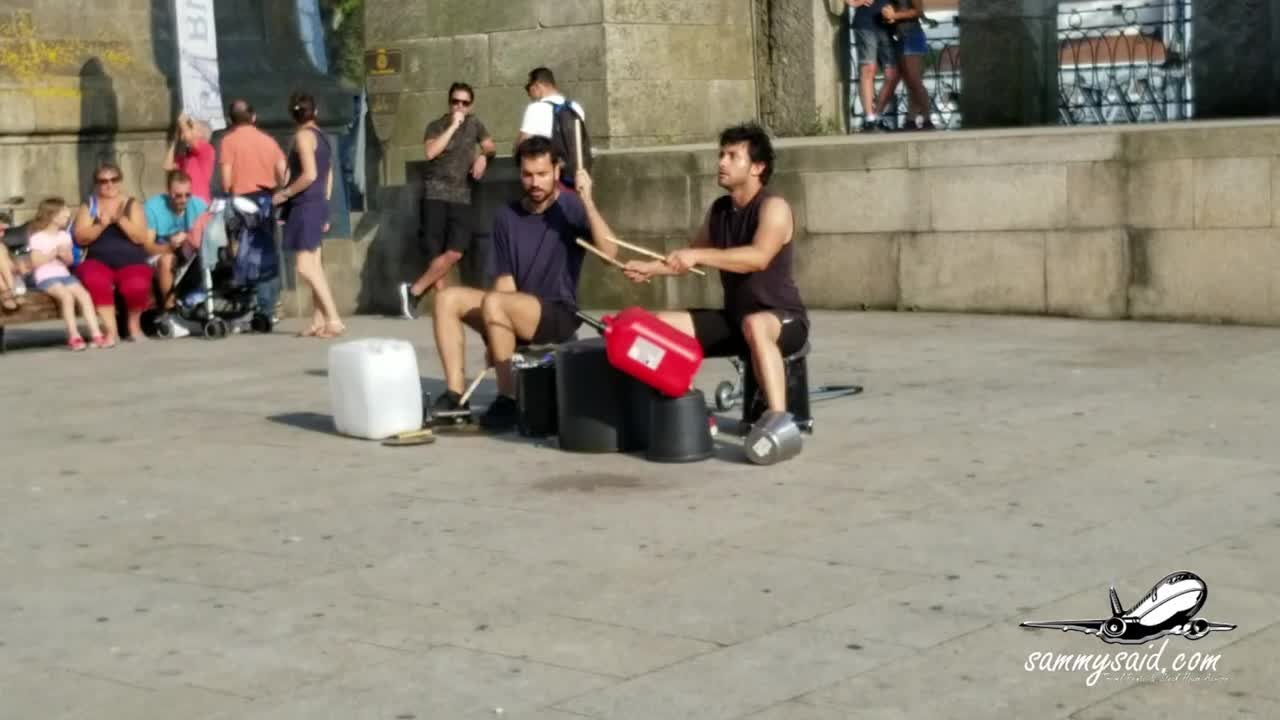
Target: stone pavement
{"x": 182, "y": 535}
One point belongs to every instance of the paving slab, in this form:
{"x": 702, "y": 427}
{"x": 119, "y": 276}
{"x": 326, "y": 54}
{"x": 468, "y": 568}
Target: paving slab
{"x": 183, "y": 526}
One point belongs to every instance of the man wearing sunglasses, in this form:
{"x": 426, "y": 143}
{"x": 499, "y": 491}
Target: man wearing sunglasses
{"x": 171, "y": 216}
{"x": 458, "y": 148}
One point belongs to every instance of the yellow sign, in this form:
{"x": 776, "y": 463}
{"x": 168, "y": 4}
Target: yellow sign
{"x": 383, "y": 61}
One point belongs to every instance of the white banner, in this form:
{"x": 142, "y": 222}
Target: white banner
{"x": 198, "y": 61}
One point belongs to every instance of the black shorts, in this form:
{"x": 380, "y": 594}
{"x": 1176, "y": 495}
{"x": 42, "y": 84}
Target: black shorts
{"x": 445, "y": 226}
{"x": 721, "y": 336}
{"x": 557, "y": 323}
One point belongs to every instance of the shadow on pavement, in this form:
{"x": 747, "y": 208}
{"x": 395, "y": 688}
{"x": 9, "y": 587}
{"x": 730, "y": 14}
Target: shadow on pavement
{"x": 315, "y": 422}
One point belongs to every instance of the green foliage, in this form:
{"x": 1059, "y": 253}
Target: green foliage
{"x": 345, "y": 21}
{"x": 820, "y": 125}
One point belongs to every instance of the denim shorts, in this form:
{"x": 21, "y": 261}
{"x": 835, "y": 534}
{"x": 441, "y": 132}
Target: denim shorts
{"x": 913, "y": 42}
{"x": 45, "y": 284}
{"x": 875, "y": 47}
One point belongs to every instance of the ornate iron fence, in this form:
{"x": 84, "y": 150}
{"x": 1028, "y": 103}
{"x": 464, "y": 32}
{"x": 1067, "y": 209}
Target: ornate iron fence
{"x": 1118, "y": 62}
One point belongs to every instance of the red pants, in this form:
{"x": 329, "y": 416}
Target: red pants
{"x": 133, "y": 282}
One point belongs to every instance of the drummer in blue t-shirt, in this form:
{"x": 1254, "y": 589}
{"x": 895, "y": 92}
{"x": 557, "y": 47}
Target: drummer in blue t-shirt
{"x": 170, "y": 217}
{"x": 536, "y": 265}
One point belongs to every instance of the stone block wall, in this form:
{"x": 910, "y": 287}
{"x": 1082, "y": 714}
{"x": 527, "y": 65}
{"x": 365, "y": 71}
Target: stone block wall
{"x": 647, "y": 72}
{"x": 1174, "y": 222}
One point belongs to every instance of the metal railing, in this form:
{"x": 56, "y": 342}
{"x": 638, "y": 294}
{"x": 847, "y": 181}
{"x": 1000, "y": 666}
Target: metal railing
{"x": 1118, "y": 62}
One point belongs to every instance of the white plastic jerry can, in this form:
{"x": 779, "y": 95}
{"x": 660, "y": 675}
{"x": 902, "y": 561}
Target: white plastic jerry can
{"x": 374, "y": 388}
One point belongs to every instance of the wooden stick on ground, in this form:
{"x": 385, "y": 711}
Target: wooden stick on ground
{"x": 646, "y": 251}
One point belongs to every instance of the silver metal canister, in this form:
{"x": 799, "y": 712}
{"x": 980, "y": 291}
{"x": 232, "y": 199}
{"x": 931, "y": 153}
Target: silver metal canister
{"x": 774, "y": 438}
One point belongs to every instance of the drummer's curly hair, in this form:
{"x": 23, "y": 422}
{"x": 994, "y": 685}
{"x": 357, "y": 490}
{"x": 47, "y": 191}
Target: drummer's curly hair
{"x": 537, "y": 146}
{"x": 759, "y": 147}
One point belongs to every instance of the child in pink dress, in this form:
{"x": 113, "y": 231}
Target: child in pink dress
{"x": 50, "y": 246}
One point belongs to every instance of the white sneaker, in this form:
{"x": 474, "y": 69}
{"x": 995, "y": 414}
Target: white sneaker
{"x": 176, "y": 329}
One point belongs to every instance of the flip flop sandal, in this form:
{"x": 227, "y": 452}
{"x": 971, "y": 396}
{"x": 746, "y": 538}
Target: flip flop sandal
{"x": 413, "y": 437}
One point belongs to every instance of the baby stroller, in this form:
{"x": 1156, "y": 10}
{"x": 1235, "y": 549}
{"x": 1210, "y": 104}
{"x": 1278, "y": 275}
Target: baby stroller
{"x": 215, "y": 285}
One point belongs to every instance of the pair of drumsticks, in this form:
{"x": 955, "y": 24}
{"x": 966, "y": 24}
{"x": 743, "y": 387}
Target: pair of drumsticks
{"x": 634, "y": 248}
{"x": 577, "y": 141}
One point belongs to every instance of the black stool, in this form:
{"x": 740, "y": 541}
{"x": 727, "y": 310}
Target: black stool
{"x": 747, "y": 391}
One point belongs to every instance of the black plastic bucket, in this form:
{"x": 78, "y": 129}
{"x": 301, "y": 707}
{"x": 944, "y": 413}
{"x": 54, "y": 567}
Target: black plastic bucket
{"x": 591, "y": 417}
{"x": 679, "y": 429}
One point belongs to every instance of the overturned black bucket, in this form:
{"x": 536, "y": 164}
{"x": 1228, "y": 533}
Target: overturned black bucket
{"x": 636, "y": 398}
{"x": 679, "y": 428}
{"x": 590, "y": 415}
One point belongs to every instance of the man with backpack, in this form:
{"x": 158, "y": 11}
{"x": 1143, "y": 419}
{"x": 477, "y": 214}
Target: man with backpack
{"x": 553, "y": 116}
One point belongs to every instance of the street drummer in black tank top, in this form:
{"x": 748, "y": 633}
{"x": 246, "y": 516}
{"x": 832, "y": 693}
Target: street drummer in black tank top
{"x": 747, "y": 237}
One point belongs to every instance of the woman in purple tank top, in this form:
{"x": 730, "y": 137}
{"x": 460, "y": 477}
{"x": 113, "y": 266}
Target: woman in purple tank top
{"x": 305, "y": 203}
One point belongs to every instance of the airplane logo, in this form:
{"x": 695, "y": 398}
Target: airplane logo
{"x": 1169, "y": 609}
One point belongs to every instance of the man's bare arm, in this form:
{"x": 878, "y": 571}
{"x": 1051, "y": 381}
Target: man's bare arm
{"x": 601, "y": 234}
{"x": 773, "y": 232}
{"x": 436, "y": 144}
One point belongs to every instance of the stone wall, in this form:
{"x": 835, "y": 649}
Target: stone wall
{"x": 1174, "y": 222}
{"x": 80, "y": 83}
{"x": 802, "y": 62}
{"x": 646, "y": 71}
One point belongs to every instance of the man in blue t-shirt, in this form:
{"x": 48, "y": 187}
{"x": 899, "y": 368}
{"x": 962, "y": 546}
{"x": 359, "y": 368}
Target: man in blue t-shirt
{"x": 170, "y": 217}
{"x": 875, "y": 47}
{"x": 536, "y": 265}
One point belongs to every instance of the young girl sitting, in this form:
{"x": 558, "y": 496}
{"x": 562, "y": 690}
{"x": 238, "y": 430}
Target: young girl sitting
{"x": 50, "y": 245}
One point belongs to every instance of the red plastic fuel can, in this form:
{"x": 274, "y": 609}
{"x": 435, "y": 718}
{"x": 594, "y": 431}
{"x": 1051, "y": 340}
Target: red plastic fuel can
{"x": 651, "y": 351}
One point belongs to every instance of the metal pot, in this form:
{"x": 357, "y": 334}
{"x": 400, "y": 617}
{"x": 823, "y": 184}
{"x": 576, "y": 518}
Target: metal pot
{"x": 774, "y": 438}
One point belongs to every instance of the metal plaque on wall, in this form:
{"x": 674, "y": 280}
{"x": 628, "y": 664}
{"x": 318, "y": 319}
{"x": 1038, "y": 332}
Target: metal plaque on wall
{"x": 382, "y": 111}
{"x": 383, "y": 61}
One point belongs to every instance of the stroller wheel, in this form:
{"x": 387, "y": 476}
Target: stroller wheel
{"x": 724, "y": 396}
{"x": 215, "y": 329}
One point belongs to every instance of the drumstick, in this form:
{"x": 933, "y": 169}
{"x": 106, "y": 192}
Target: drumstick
{"x": 600, "y": 253}
{"x": 474, "y": 384}
{"x": 646, "y": 251}
{"x": 577, "y": 140}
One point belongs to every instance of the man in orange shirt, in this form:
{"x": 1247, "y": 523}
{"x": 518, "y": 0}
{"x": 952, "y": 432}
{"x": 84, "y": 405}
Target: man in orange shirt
{"x": 252, "y": 160}
{"x": 254, "y": 166}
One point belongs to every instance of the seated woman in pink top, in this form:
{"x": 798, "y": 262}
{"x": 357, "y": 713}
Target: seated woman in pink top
{"x": 50, "y": 246}
{"x": 196, "y": 157}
